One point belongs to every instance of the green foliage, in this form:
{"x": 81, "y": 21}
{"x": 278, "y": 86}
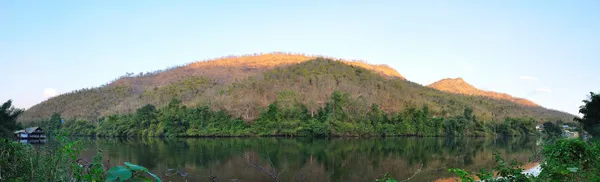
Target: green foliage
{"x": 8, "y": 118}
{"x": 130, "y": 172}
{"x": 96, "y": 170}
{"x": 336, "y": 119}
{"x": 340, "y": 116}
{"x": 53, "y": 125}
{"x": 78, "y": 127}
{"x": 551, "y": 130}
{"x": 515, "y": 127}
{"x": 21, "y": 162}
{"x": 172, "y": 120}
{"x": 119, "y": 173}
{"x": 14, "y": 160}
{"x": 386, "y": 178}
{"x": 24, "y": 163}
{"x": 591, "y": 115}
{"x": 502, "y": 172}
{"x": 507, "y": 171}
{"x": 571, "y": 159}
{"x": 463, "y": 175}
{"x": 564, "y": 160}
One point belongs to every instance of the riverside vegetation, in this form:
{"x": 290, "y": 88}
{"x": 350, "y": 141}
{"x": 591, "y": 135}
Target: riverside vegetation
{"x": 290, "y": 118}
{"x": 561, "y": 159}
{"x": 564, "y": 159}
{"x": 60, "y": 162}
{"x": 284, "y": 95}
{"x": 18, "y": 164}
{"x": 21, "y": 162}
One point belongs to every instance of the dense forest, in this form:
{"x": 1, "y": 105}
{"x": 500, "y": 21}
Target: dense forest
{"x": 342, "y": 115}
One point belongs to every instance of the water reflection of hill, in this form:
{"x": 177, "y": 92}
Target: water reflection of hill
{"x": 339, "y": 159}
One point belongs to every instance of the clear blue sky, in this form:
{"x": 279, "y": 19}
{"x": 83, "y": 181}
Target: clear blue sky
{"x": 545, "y": 51}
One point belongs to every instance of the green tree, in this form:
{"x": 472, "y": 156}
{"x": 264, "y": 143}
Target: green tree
{"x": 8, "y": 119}
{"x": 468, "y": 114}
{"x": 552, "y": 130}
{"x": 591, "y": 115}
{"x": 376, "y": 115}
{"x": 570, "y": 160}
{"x": 54, "y": 124}
{"x": 145, "y": 115}
{"x": 336, "y": 105}
{"x": 171, "y": 119}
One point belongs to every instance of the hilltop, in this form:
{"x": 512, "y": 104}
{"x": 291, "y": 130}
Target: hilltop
{"x": 243, "y": 85}
{"x": 459, "y": 86}
{"x": 234, "y": 68}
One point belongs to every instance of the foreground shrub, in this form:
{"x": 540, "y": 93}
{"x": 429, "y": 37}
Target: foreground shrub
{"x": 61, "y": 162}
{"x": 571, "y": 159}
{"x": 563, "y": 160}
{"x": 14, "y": 160}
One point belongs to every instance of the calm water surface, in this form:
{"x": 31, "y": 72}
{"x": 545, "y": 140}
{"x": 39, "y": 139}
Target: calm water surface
{"x": 302, "y": 159}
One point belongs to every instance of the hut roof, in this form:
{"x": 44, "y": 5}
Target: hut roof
{"x": 28, "y": 130}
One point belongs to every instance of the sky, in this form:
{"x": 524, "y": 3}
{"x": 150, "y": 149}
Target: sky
{"x": 545, "y": 51}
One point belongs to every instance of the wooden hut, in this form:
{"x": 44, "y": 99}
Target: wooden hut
{"x": 34, "y": 133}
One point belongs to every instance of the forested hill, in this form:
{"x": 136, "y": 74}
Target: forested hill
{"x": 459, "y": 86}
{"x": 244, "y": 85}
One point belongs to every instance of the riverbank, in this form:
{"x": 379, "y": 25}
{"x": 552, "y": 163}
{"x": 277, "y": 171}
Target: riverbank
{"x": 279, "y": 119}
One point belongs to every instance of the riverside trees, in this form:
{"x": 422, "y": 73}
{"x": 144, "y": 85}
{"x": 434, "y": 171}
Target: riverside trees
{"x": 342, "y": 115}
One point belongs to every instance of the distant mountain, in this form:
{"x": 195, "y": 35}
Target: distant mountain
{"x": 459, "y": 86}
{"x": 242, "y": 85}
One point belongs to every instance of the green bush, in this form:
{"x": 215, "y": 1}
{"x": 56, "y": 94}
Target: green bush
{"x": 552, "y": 130}
{"x": 563, "y": 160}
{"x": 20, "y": 162}
{"x": 571, "y": 159}
{"x": 14, "y": 160}
{"x": 502, "y": 172}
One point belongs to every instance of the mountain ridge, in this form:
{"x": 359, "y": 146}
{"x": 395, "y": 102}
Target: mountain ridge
{"x": 460, "y": 86}
{"x": 226, "y": 84}
{"x": 244, "y": 66}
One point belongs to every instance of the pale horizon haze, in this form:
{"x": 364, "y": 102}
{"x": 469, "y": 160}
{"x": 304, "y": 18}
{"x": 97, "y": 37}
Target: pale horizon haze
{"x": 544, "y": 51}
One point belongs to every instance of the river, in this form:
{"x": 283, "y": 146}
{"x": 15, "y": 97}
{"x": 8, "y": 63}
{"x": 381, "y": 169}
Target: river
{"x": 304, "y": 159}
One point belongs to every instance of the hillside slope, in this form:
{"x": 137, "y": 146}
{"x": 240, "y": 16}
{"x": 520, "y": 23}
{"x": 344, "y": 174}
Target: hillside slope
{"x": 233, "y": 68}
{"x": 459, "y": 86}
{"x": 243, "y": 85}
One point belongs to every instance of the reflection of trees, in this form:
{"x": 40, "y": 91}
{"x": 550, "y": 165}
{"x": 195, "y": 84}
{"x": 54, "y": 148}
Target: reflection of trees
{"x": 338, "y": 159}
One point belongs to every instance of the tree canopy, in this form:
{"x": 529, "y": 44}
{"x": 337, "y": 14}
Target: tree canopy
{"x": 342, "y": 115}
{"x": 8, "y": 119}
{"x": 591, "y": 115}
{"x": 552, "y": 130}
